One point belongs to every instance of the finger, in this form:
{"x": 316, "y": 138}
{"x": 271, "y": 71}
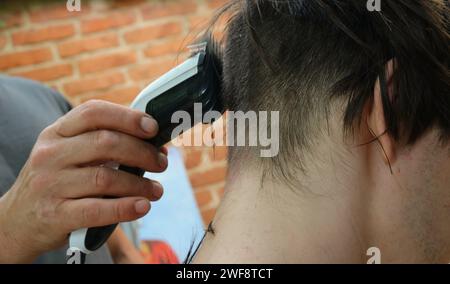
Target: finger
{"x": 164, "y": 150}
{"x": 106, "y": 145}
{"x": 95, "y": 212}
{"x": 103, "y": 181}
{"x": 96, "y": 114}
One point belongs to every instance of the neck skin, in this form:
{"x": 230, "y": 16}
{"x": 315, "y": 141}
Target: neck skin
{"x": 341, "y": 211}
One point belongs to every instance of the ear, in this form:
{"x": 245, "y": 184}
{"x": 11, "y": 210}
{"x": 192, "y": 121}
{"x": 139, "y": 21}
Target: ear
{"x": 376, "y": 119}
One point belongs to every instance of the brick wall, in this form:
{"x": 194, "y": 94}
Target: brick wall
{"x": 110, "y": 51}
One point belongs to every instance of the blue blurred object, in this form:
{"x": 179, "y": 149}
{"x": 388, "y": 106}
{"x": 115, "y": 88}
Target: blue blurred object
{"x": 175, "y": 218}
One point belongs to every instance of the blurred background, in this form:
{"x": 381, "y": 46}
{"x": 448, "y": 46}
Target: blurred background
{"x": 110, "y": 50}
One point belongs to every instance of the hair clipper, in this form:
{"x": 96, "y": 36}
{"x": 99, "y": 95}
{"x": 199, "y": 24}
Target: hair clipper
{"x": 196, "y": 80}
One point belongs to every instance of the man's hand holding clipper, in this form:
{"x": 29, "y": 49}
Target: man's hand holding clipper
{"x": 60, "y": 187}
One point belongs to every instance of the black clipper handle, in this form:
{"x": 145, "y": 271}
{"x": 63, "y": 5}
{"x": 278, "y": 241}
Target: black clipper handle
{"x": 97, "y": 236}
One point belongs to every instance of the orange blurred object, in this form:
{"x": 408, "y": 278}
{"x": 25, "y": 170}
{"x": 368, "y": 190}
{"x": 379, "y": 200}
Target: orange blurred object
{"x": 158, "y": 252}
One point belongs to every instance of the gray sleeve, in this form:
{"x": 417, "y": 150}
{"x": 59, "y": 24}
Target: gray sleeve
{"x": 7, "y": 176}
{"x": 59, "y": 99}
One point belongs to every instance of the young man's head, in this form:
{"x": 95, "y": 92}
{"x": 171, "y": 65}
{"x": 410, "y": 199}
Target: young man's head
{"x": 364, "y": 106}
{"x": 320, "y": 60}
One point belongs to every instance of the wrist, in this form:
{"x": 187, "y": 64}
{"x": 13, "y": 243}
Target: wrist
{"x": 11, "y": 248}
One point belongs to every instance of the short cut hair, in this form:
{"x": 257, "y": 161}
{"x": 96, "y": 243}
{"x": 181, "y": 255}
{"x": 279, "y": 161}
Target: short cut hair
{"x": 297, "y": 56}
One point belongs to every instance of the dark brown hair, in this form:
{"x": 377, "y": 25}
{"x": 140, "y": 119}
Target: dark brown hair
{"x": 297, "y": 56}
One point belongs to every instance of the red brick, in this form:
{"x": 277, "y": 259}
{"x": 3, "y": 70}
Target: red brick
{"x": 125, "y": 3}
{"x": 209, "y": 176}
{"x": 48, "y": 73}
{"x": 193, "y": 158}
{"x": 194, "y": 135}
{"x": 218, "y": 153}
{"x": 42, "y": 34}
{"x": 113, "y": 20}
{"x": 215, "y": 4}
{"x": 172, "y": 46}
{"x": 3, "y": 41}
{"x": 22, "y": 58}
{"x": 105, "y": 62}
{"x": 11, "y": 19}
{"x": 165, "y": 9}
{"x": 93, "y": 84}
{"x": 197, "y": 23}
{"x": 119, "y": 96}
{"x": 218, "y": 27}
{"x": 148, "y": 72}
{"x": 74, "y": 47}
{"x": 47, "y": 13}
{"x": 208, "y": 215}
{"x": 203, "y": 198}
{"x": 152, "y": 32}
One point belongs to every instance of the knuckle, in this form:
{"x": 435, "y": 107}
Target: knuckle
{"x": 89, "y": 109}
{"x": 106, "y": 139}
{"x": 119, "y": 212}
{"x": 47, "y": 131}
{"x": 41, "y": 153}
{"x": 46, "y": 211}
{"x": 91, "y": 104}
{"x": 102, "y": 179}
{"x": 90, "y": 213}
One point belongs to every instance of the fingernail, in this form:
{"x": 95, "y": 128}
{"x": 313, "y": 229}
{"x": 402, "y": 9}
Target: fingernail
{"x": 162, "y": 160}
{"x": 157, "y": 190}
{"x": 142, "y": 206}
{"x": 148, "y": 124}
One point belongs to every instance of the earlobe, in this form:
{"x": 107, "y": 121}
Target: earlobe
{"x": 376, "y": 120}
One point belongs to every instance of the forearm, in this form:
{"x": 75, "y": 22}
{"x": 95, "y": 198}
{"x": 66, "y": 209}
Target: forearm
{"x": 122, "y": 249}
